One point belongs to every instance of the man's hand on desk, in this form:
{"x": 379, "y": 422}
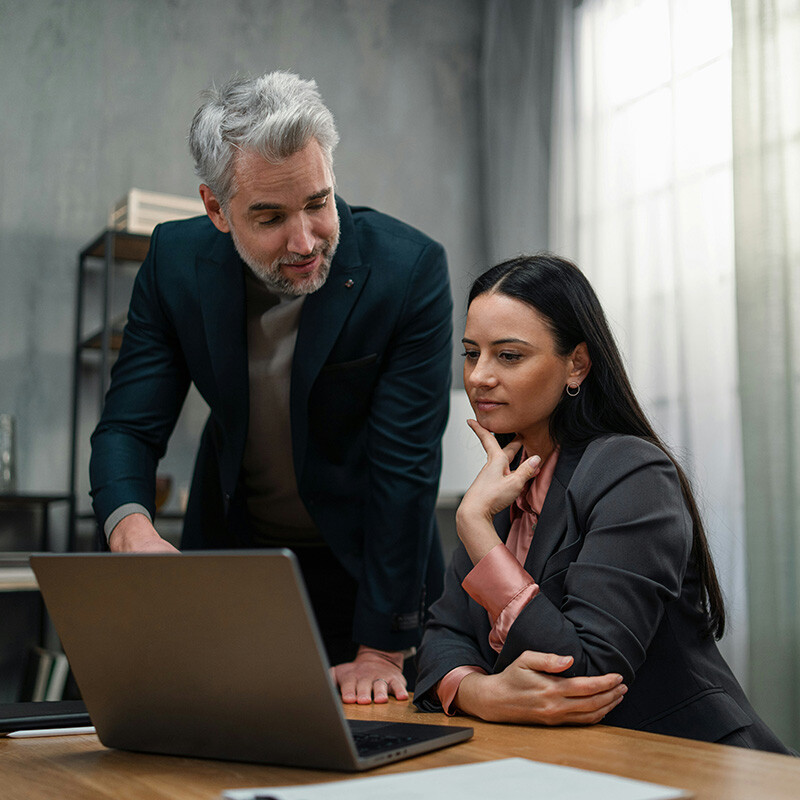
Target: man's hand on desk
{"x": 527, "y": 691}
{"x": 136, "y": 534}
{"x": 372, "y": 677}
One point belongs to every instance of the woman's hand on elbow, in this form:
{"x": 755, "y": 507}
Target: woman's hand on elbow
{"x": 530, "y": 691}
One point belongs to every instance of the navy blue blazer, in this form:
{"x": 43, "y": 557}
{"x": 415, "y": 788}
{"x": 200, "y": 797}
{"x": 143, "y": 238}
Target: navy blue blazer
{"x": 369, "y": 397}
{"x": 618, "y": 591}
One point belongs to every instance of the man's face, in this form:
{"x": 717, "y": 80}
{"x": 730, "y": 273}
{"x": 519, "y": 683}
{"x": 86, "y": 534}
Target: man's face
{"x": 282, "y": 218}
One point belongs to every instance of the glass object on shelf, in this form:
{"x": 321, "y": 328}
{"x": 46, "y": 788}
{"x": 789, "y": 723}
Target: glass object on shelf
{"x": 163, "y": 489}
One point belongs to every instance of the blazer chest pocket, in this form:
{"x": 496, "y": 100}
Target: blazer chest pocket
{"x": 346, "y": 366}
{"x": 339, "y": 404}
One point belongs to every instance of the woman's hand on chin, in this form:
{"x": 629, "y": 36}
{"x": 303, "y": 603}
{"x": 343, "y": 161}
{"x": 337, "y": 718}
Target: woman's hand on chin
{"x": 495, "y": 488}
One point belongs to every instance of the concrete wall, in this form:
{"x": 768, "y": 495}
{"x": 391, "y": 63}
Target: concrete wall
{"x": 96, "y": 98}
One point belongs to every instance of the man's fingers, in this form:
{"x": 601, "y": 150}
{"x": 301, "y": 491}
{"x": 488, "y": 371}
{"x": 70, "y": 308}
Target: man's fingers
{"x": 346, "y": 681}
{"x": 370, "y": 678}
{"x": 397, "y": 686}
{"x": 364, "y": 691}
{"x": 380, "y": 691}
{"x": 347, "y": 688}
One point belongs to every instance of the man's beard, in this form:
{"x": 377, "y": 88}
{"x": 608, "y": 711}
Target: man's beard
{"x": 274, "y": 279}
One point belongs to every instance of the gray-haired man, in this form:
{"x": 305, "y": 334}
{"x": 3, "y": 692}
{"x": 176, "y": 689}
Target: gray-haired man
{"x": 320, "y": 337}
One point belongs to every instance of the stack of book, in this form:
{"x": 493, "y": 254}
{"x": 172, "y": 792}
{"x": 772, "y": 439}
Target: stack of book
{"x": 140, "y": 212}
{"x": 46, "y": 676}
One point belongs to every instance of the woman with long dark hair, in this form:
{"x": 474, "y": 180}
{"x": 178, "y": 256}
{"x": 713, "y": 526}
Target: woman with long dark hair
{"x": 595, "y": 596}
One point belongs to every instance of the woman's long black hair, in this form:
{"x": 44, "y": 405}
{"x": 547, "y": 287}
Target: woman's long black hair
{"x": 606, "y": 404}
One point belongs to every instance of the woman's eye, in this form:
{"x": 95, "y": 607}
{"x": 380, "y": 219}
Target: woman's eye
{"x": 471, "y": 355}
{"x": 510, "y": 356}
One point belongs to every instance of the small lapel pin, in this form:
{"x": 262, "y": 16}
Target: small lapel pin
{"x": 348, "y": 284}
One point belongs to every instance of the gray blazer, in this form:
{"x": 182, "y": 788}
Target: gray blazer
{"x": 619, "y": 592}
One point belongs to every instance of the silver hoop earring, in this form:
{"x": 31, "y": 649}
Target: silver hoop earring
{"x": 573, "y": 389}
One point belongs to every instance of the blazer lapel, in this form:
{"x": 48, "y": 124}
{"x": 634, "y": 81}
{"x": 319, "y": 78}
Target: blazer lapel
{"x": 220, "y": 281}
{"x": 552, "y": 525}
{"x": 322, "y": 318}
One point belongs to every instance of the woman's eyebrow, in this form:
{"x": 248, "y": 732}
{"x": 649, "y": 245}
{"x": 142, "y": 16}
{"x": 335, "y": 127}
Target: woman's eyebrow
{"x": 510, "y": 340}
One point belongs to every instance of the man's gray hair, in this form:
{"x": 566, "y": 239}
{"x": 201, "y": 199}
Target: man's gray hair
{"x": 276, "y": 115}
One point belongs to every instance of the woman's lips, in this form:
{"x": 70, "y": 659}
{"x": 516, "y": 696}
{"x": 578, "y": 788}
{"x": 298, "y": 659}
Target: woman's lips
{"x": 487, "y": 405}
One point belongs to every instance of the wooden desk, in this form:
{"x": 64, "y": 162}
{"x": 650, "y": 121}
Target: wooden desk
{"x": 80, "y": 768}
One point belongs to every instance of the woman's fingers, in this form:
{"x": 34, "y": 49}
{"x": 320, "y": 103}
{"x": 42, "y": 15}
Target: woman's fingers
{"x": 490, "y": 444}
{"x": 512, "y": 448}
{"x": 594, "y": 685}
{"x": 528, "y": 469}
{"x": 593, "y": 708}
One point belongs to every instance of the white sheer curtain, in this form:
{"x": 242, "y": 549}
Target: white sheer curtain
{"x": 642, "y": 199}
{"x": 517, "y": 90}
{"x": 766, "y": 106}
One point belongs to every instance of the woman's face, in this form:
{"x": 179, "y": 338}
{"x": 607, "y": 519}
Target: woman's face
{"x": 512, "y": 373}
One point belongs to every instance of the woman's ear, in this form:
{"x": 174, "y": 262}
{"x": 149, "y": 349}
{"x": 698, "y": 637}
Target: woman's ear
{"x": 580, "y": 364}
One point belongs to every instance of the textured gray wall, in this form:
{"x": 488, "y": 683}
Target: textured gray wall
{"x": 96, "y": 98}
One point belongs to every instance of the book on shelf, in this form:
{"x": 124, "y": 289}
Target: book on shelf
{"x": 46, "y": 676}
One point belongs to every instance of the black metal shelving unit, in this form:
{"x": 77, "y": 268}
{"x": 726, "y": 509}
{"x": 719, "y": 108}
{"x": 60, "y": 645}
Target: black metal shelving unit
{"x": 104, "y": 258}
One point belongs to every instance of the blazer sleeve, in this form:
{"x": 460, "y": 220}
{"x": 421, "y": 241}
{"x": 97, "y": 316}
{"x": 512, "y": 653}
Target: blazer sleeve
{"x": 407, "y": 416}
{"x": 149, "y": 382}
{"x": 628, "y": 539}
{"x": 455, "y": 635}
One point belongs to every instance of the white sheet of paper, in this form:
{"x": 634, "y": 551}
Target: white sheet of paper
{"x": 510, "y": 777}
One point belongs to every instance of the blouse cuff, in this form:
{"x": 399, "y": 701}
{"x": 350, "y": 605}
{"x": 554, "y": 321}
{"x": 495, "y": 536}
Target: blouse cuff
{"x": 502, "y": 625}
{"x": 447, "y": 687}
{"x": 496, "y": 580}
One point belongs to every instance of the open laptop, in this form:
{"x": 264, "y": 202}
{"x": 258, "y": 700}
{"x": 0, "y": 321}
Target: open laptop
{"x": 212, "y": 654}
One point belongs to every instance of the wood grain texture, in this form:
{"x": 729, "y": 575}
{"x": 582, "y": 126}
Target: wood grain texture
{"x": 80, "y": 768}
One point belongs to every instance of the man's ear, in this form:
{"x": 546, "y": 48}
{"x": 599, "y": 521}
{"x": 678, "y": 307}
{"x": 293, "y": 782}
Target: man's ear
{"x": 580, "y": 364}
{"x": 214, "y": 209}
